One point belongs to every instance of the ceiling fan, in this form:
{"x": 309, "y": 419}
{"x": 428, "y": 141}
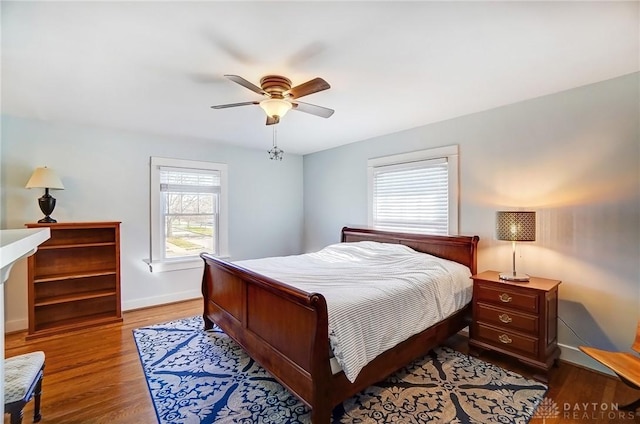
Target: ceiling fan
{"x": 281, "y": 97}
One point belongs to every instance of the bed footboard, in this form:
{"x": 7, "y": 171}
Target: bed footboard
{"x": 282, "y": 328}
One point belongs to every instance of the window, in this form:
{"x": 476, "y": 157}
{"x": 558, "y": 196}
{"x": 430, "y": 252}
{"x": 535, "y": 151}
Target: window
{"x": 188, "y": 212}
{"x": 415, "y": 192}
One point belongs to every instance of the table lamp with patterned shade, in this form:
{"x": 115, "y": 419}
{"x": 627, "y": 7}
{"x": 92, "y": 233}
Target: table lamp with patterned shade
{"x": 515, "y": 226}
{"x": 48, "y": 180}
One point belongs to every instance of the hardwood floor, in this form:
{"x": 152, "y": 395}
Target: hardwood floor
{"x": 95, "y": 376}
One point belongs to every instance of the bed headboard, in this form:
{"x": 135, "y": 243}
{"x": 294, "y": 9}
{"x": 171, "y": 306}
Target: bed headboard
{"x": 462, "y": 249}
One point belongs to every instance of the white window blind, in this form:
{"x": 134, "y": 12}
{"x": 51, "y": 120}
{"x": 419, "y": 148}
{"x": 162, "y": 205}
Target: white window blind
{"x": 184, "y": 180}
{"x": 415, "y": 191}
{"x": 412, "y": 197}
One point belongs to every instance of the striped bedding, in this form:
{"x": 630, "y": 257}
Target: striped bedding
{"x": 378, "y": 294}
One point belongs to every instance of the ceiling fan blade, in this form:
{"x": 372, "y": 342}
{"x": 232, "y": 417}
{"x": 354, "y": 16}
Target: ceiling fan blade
{"x": 323, "y": 112}
{"x": 309, "y": 87}
{"x": 234, "y": 105}
{"x": 272, "y": 120}
{"x": 243, "y": 82}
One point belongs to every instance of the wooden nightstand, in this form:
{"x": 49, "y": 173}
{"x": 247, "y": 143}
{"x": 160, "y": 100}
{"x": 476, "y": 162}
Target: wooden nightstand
{"x": 517, "y": 319}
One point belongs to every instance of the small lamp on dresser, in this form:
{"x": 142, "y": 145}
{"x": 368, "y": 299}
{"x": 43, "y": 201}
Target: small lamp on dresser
{"x": 515, "y": 226}
{"x": 48, "y": 180}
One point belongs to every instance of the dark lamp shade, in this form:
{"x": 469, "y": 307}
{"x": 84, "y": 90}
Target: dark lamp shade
{"x": 516, "y": 226}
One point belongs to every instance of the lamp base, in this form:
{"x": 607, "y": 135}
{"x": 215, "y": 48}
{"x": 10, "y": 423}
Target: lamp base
{"x": 512, "y": 276}
{"x": 47, "y": 204}
{"x": 47, "y": 220}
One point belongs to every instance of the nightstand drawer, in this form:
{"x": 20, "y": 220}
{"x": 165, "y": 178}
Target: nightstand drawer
{"x": 507, "y": 297}
{"x": 507, "y": 319}
{"x": 507, "y": 340}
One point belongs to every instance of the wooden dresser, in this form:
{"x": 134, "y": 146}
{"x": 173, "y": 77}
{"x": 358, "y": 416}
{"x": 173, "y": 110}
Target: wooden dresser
{"x": 74, "y": 278}
{"x": 519, "y": 319}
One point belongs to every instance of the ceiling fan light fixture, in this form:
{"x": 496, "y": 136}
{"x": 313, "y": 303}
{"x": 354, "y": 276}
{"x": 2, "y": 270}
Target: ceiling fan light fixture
{"x": 275, "y": 107}
{"x": 281, "y": 97}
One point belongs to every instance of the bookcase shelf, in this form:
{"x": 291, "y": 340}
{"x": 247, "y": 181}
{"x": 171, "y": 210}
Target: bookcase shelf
{"x": 54, "y": 300}
{"x": 55, "y": 327}
{"x": 72, "y": 275}
{"x": 74, "y": 278}
{"x": 73, "y": 246}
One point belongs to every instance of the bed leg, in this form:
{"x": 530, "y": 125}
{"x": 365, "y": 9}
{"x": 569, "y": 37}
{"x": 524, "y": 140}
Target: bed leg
{"x": 208, "y": 324}
{"x": 321, "y": 415}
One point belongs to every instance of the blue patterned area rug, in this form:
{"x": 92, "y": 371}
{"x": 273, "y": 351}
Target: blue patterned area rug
{"x": 198, "y": 376}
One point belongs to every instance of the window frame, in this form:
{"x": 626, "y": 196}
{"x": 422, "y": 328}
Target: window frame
{"x": 449, "y": 153}
{"x": 157, "y": 261}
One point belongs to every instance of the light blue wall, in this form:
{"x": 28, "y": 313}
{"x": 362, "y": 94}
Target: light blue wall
{"x": 106, "y": 177}
{"x": 574, "y": 157}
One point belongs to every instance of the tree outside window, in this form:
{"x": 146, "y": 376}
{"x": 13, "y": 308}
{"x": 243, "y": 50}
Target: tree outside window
{"x": 191, "y": 203}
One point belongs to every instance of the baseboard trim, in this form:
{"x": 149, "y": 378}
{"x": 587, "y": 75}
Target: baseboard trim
{"x": 160, "y": 300}
{"x": 575, "y": 356}
{"x": 16, "y": 325}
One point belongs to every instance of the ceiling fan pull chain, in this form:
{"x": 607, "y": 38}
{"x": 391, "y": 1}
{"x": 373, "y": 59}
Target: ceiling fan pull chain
{"x": 275, "y": 153}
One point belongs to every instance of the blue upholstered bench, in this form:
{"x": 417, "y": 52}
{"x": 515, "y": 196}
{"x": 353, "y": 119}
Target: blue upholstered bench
{"x": 22, "y": 381}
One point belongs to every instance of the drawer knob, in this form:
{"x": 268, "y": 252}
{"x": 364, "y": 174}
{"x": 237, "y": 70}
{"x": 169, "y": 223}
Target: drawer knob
{"x": 505, "y": 298}
{"x": 505, "y": 339}
{"x": 505, "y": 318}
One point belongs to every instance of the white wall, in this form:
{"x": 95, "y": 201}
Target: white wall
{"x": 106, "y": 178}
{"x": 574, "y": 157}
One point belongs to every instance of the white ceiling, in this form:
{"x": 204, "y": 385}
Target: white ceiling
{"x": 157, "y": 67}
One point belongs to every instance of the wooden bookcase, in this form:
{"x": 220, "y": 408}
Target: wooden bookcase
{"x": 74, "y": 278}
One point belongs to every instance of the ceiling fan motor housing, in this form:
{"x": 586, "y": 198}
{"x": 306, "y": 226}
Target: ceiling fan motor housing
{"x": 275, "y": 85}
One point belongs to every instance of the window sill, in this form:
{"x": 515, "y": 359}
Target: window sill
{"x": 174, "y": 265}
{"x": 178, "y": 263}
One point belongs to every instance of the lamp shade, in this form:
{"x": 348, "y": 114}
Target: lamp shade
{"x": 516, "y": 226}
{"x": 275, "y": 107}
{"x": 44, "y": 178}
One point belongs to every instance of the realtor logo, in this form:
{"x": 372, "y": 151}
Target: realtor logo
{"x": 547, "y": 409}
{"x": 583, "y": 411}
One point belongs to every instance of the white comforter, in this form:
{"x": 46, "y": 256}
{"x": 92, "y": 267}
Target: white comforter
{"x": 377, "y": 294}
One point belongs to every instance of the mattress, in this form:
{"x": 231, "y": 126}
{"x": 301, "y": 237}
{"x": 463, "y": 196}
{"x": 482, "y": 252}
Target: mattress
{"x": 377, "y": 294}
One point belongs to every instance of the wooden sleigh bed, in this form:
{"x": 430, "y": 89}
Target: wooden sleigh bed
{"x": 286, "y": 329}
